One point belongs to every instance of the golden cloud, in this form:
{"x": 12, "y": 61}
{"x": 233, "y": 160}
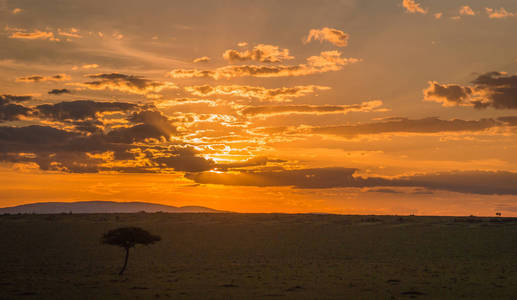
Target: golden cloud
{"x": 32, "y": 35}
{"x": 467, "y": 11}
{"x": 500, "y": 13}
{"x": 261, "y": 52}
{"x": 261, "y": 93}
{"x": 412, "y": 7}
{"x": 72, "y": 33}
{"x": 325, "y": 62}
{"x": 202, "y": 59}
{"x": 331, "y": 35}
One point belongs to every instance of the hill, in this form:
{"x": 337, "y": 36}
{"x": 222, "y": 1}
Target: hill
{"x": 88, "y": 207}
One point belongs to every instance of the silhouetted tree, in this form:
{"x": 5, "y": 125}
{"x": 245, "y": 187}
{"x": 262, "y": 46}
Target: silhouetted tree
{"x": 127, "y": 238}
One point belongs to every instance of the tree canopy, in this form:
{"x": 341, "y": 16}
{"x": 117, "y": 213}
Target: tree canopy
{"x": 128, "y": 237}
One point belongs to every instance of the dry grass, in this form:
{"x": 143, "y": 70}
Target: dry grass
{"x": 242, "y": 256}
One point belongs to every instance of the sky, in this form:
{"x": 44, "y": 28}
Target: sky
{"x": 349, "y": 106}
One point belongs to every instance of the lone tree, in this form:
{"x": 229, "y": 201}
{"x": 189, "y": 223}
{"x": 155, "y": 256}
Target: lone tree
{"x": 128, "y": 237}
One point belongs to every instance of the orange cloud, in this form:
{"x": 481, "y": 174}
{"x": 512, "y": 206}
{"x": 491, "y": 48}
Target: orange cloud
{"x": 32, "y": 35}
{"x": 311, "y": 109}
{"x": 261, "y": 52}
{"x": 331, "y": 35}
{"x": 500, "y": 13}
{"x": 447, "y": 94}
{"x": 39, "y": 78}
{"x": 125, "y": 83}
{"x": 493, "y": 89}
{"x": 202, "y": 59}
{"x": 72, "y": 33}
{"x": 325, "y": 62}
{"x": 261, "y": 93}
{"x": 467, "y": 11}
{"x": 412, "y": 7}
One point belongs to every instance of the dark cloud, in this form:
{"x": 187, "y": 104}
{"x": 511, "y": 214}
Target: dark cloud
{"x": 33, "y": 138}
{"x": 39, "y": 78}
{"x": 252, "y": 162}
{"x": 10, "y": 111}
{"x": 510, "y": 120}
{"x": 448, "y": 94}
{"x": 13, "y": 112}
{"x": 403, "y": 125}
{"x": 125, "y": 83}
{"x": 57, "y": 149}
{"x": 310, "y": 109}
{"x": 493, "y": 89}
{"x": 500, "y": 88}
{"x": 92, "y": 146}
{"x": 81, "y": 109}
{"x": 4, "y": 99}
{"x": 155, "y": 119}
{"x": 185, "y": 159}
{"x": 304, "y": 178}
{"x": 477, "y": 182}
{"x": 59, "y": 91}
{"x": 385, "y": 191}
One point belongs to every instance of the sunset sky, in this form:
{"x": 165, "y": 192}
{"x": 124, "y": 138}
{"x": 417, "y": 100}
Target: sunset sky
{"x": 349, "y": 106}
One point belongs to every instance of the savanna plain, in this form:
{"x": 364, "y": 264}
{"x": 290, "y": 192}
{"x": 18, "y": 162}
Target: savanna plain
{"x": 260, "y": 256}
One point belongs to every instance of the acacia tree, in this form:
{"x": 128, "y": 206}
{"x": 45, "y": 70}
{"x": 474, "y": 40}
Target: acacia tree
{"x": 127, "y": 238}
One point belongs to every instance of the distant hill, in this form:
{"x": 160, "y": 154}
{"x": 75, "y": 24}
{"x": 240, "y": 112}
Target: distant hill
{"x": 89, "y": 207}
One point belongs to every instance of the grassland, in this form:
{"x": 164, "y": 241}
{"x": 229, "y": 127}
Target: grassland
{"x": 266, "y": 256}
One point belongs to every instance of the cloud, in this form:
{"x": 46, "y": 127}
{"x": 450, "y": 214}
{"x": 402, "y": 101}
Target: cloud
{"x": 261, "y": 53}
{"x": 476, "y": 182}
{"x": 155, "y": 119}
{"x": 331, "y": 35}
{"x": 24, "y": 34}
{"x": 72, "y": 33}
{"x": 500, "y": 13}
{"x": 252, "y": 162}
{"x": 412, "y": 7}
{"x": 4, "y": 99}
{"x": 310, "y": 109}
{"x": 467, "y": 11}
{"x": 263, "y": 94}
{"x": 80, "y": 109}
{"x": 186, "y": 160}
{"x": 202, "y": 59}
{"x": 59, "y": 91}
{"x": 447, "y": 94}
{"x": 40, "y": 78}
{"x": 90, "y": 66}
{"x": 403, "y": 125}
{"x": 16, "y": 11}
{"x": 13, "y": 112}
{"x": 125, "y": 83}
{"x": 509, "y": 120}
{"x": 325, "y": 62}
{"x": 438, "y": 15}
{"x": 141, "y": 145}
{"x": 493, "y": 89}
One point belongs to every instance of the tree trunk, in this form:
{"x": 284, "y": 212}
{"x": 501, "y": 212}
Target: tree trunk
{"x": 125, "y": 262}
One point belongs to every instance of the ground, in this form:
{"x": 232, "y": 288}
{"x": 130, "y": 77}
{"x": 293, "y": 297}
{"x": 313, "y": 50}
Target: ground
{"x": 262, "y": 256}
